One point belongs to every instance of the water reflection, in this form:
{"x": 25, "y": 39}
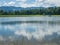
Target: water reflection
{"x": 37, "y": 28}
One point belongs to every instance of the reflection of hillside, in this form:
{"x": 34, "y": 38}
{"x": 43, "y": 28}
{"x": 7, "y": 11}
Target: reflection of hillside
{"x": 41, "y": 22}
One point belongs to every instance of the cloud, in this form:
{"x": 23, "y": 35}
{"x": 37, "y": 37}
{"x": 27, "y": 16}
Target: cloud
{"x": 0, "y": 4}
{"x": 52, "y": 2}
{"x": 12, "y": 3}
{"x": 21, "y": 0}
{"x": 36, "y": 3}
{"x": 27, "y": 5}
{"x": 41, "y": 3}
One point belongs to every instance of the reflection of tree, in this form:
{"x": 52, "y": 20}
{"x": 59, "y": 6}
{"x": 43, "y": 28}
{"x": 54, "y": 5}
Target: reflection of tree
{"x": 17, "y": 42}
{"x": 22, "y": 42}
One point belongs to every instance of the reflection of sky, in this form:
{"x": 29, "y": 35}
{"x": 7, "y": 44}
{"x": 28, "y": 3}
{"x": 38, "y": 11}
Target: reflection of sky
{"x": 28, "y": 30}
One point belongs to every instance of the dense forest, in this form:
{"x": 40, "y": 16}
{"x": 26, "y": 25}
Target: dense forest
{"x": 36, "y": 11}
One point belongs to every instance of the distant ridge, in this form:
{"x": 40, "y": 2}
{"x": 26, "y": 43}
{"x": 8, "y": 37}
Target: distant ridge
{"x": 12, "y": 8}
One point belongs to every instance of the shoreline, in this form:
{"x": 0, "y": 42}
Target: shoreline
{"x": 26, "y": 15}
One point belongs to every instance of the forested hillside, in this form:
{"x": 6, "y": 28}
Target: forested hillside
{"x": 34, "y": 11}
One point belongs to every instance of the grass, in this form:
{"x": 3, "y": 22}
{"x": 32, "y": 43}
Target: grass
{"x": 19, "y": 15}
{"x": 24, "y": 15}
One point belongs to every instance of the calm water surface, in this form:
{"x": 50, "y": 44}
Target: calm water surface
{"x": 49, "y": 26}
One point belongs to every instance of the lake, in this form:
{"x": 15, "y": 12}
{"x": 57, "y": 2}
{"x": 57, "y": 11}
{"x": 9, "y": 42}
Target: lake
{"x": 36, "y": 27}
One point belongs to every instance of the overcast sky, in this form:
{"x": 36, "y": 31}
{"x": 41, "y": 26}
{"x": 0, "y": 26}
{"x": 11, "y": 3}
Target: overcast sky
{"x": 30, "y": 3}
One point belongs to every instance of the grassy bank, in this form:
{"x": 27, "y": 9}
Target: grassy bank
{"x": 24, "y": 15}
{"x": 19, "y": 15}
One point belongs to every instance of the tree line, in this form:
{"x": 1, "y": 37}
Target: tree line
{"x": 38, "y": 11}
